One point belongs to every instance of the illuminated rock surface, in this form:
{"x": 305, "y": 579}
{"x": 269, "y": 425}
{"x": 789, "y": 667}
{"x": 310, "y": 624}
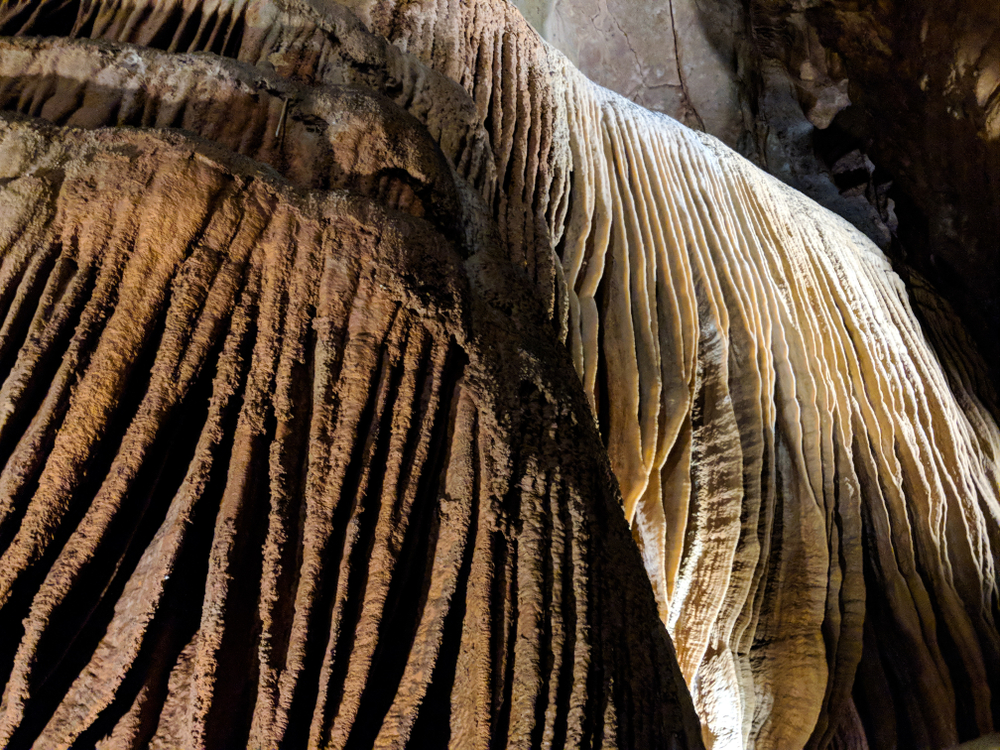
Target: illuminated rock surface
{"x": 208, "y": 353}
{"x": 264, "y": 484}
{"x": 887, "y": 113}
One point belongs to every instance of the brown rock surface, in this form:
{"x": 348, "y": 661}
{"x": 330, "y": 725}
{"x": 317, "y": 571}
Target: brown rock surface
{"x": 803, "y": 474}
{"x": 237, "y": 367}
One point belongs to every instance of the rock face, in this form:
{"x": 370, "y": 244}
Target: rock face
{"x": 924, "y": 80}
{"x": 213, "y": 349}
{"x": 276, "y": 472}
{"x": 886, "y": 113}
{"x": 656, "y": 54}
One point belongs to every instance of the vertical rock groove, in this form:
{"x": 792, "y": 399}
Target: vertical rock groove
{"x": 393, "y": 217}
{"x": 269, "y": 513}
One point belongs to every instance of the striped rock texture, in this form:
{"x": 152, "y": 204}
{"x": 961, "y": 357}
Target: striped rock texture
{"x": 812, "y": 487}
{"x": 265, "y": 484}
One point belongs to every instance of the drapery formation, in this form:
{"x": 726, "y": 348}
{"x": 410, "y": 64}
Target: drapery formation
{"x": 277, "y": 471}
{"x": 264, "y": 486}
{"x": 813, "y": 490}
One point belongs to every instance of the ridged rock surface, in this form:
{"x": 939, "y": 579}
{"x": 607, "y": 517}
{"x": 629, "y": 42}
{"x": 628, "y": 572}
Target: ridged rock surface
{"x": 923, "y": 79}
{"x": 813, "y": 489}
{"x": 264, "y": 484}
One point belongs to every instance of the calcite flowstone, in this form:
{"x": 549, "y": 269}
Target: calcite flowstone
{"x": 924, "y": 78}
{"x": 812, "y": 488}
{"x": 264, "y": 483}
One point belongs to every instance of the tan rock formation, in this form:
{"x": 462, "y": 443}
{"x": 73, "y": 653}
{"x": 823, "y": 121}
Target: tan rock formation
{"x": 924, "y": 78}
{"x": 821, "y": 424}
{"x": 211, "y": 364}
{"x": 802, "y": 474}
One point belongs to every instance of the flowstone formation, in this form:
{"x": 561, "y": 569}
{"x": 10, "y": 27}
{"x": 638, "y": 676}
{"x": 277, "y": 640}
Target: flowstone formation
{"x": 325, "y": 326}
{"x": 887, "y": 113}
{"x": 277, "y": 471}
{"x": 924, "y": 84}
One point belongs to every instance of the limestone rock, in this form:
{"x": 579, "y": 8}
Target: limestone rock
{"x": 264, "y": 484}
{"x": 784, "y": 436}
{"x": 795, "y": 86}
{"x": 812, "y": 488}
{"x": 275, "y": 472}
{"x": 924, "y": 80}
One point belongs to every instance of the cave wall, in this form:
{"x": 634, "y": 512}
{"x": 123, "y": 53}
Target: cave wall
{"x": 886, "y": 113}
{"x": 925, "y": 79}
{"x": 581, "y": 286}
{"x": 662, "y": 56}
{"x": 290, "y": 455}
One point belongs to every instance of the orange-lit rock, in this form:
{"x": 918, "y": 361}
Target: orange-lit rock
{"x": 399, "y": 426}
